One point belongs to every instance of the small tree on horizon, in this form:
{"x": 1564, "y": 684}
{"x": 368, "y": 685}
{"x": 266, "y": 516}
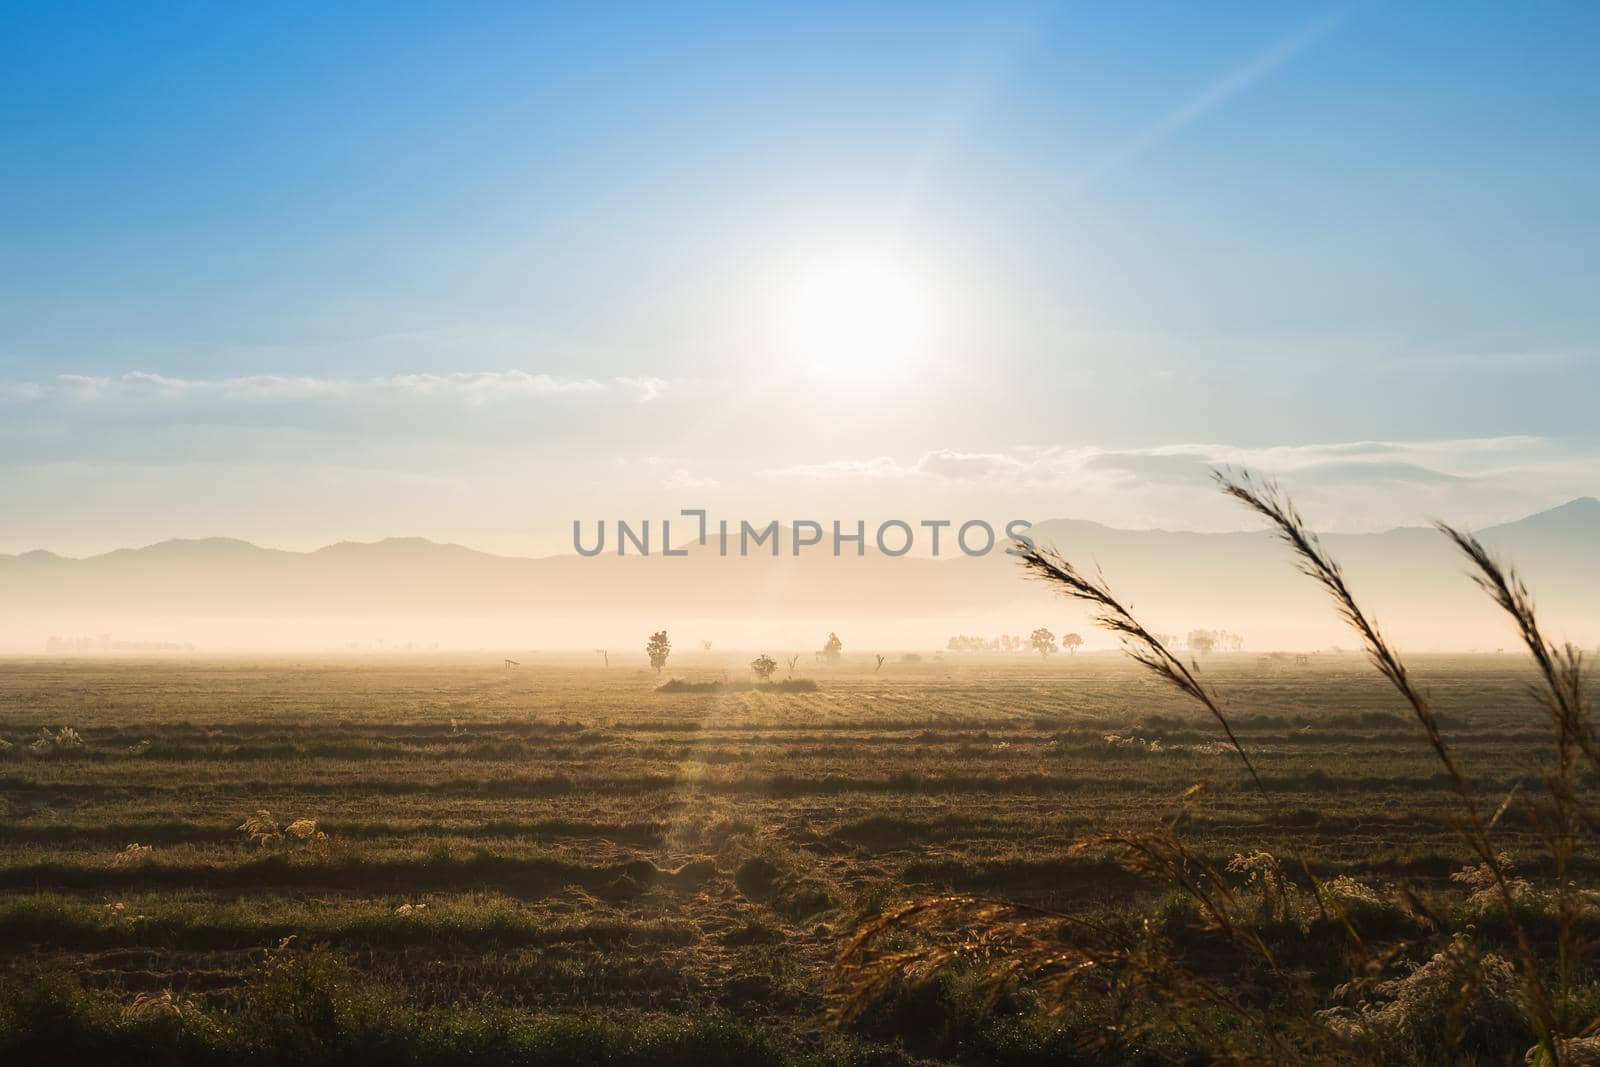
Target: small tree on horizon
{"x": 1072, "y": 642}
{"x": 1043, "y": 642}
{"x": 659, "y": 648}
{"x": 763, "y": 666}
{"x": 833, "y": 649}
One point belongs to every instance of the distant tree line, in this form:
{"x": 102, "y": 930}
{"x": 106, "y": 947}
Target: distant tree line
{"x": 659, "y": 649}
{"x": 1042, "y": 641}
{"x": 1205, "y": 642}
{"x": 106, "y": 643}
{"x": 970, "y": 643}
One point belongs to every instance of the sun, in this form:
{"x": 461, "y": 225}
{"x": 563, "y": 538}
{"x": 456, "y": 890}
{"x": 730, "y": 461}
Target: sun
{"x": 855, "y": 320}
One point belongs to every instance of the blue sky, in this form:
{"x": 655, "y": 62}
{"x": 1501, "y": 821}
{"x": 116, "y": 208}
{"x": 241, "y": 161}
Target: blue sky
{"x": 304, "y": 272}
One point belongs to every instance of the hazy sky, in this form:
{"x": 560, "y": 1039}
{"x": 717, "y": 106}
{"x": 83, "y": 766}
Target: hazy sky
{"x": 472, "y": 271}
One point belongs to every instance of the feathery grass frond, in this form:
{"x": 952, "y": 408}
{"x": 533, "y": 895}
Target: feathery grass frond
{"x": 1267, "y": 500}
{"x": 1561, "y": 669}
{"x": 1007, "y": 942}
{"x": 1150, "y": 652}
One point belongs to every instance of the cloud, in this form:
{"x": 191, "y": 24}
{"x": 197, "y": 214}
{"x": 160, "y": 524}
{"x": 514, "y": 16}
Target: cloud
{"x": 682, "y": 479}
{"x": 483, "y": 387}
{"x": 1151, "y": 466}
{"x": 469, "y": 418}
{"x": 1371, "y": 473}
{"x": 1353, "y": 463}
{"x": 966, "y": 466}
{"x": 139, "y": 385}
{"x": 647, "y": 388}
{"x": 1347, "y": 485}
{"x": 1346, "y": 463}
{"x": 879, "y": 467}
{"x": 478, "y": 387}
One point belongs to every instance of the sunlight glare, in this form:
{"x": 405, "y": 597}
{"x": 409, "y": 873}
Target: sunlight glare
{"x": 855, "y": 320}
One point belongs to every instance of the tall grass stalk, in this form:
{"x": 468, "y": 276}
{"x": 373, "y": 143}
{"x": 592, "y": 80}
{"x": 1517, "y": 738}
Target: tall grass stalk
{"x": 1268, "y": 501}
{"x": 988, "y": 928}
{"x": 1150, "y": 652}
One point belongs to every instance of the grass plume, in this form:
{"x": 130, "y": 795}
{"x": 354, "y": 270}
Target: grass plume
{"x": 1464, "y": 987}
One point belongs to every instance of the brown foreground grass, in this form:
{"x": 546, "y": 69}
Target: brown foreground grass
{"x": 529, "y": 864}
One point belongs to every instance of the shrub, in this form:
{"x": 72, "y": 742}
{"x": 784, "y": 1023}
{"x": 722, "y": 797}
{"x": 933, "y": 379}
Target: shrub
{"x": 64, "y": 740}
{"x": 135, "y": 855}
{"x": 264, "y": 832}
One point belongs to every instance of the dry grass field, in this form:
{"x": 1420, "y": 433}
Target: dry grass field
{"x": 560, "y": 863}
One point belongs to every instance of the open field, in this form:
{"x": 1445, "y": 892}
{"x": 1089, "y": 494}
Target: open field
{"x": 578, "y": 850}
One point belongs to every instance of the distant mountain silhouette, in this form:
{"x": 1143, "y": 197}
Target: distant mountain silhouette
{"x": 1243, "y": 581}
{"x": 1576, "y": 517}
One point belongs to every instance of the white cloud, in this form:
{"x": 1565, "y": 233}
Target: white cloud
{"x": 479, "y": 387}
{"x": 470, "y": 419}
{"x": 966, "y": 466}
{"x": 647, "y": 388}
{"x": 682, "y": 479}
{"x": 1362, "y": 462}
{"x": 1348, "y": 485}
{"x": 880, "y": 467}
{"x": 485, "y": 386}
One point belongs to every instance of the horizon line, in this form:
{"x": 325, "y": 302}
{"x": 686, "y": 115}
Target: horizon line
{"x": 415, "y": 539}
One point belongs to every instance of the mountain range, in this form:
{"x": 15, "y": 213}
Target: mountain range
{"x": 1241, "y": 581}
